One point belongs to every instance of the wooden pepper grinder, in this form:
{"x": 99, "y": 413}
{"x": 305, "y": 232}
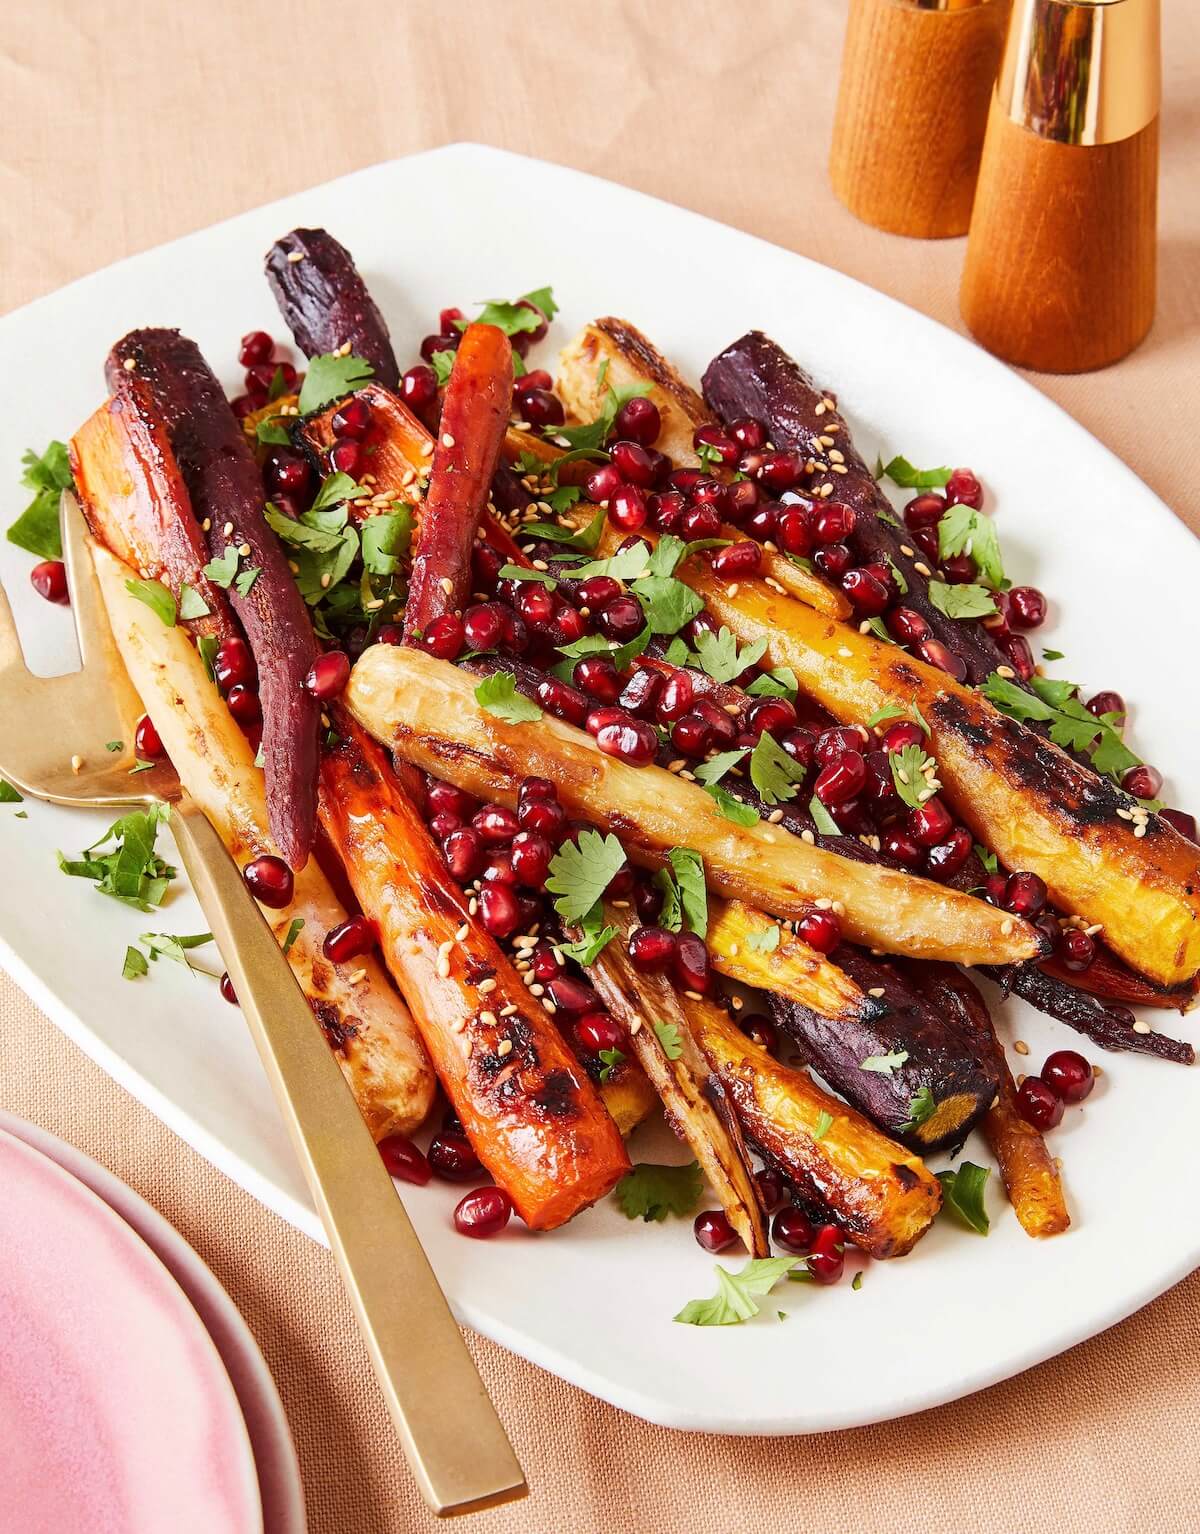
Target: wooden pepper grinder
{"x": 912, "y": 109}
{"x": 1060, "y": 268}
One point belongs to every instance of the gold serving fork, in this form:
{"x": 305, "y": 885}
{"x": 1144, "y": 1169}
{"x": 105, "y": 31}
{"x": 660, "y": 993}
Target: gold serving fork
{"x": 54, "y": 744}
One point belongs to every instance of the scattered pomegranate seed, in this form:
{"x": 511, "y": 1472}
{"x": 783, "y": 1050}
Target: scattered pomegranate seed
{"x": 907, "y": 625}
{"x": 256, "y": 347}
{"x": 795, "y": 529}
{"x": 1075, "y": 949}
{"x": 227, "y": 990}
{"x": 640, "y": 694}
{"x": 1142, "y": 781}
{"x": 146, "y": 741}
{"x": 627, "y": 508}
{"x": 329, "y": 675}
{"x": 939, "y": 655}
{"x": 749, "y": 434}
{"x": 633, "y": 463}
{"x": 345, "y": 456}
{"x": 349, "y": 939}
{"x": 544, "y": 816}
{"x": 499, "y": 910}
{"x": 496, "y": 825}
{"x": 1025, "y": 895}
{"x": 49, "y": 580}
{"x": 1107, "y": 703}
{"x": 841, "y": 779}
{"x": 1039, "y": 1104}
{"x": 621, "y": 619}
{"x": 1182, "y": 822}
{"x": 1068, "y": 1075}
{"x": 713, "y": 1231}
{"x": 761, "y": 1030}
{"x": 963, "y": 488}
{"x": 353, "y": 419}
{"x": 404, "y": 1160}
{"x": 451, "y": 1154}
{"x": 542, "y": 408}
{"x": 1026, "y": 607}
{"x": 792, "y": 1230}
{"x": 931, "y": 823}
{"x": 287, "y": 472}
{"x": 828, "y": 1256}
{"x": 692, "y": 734}
{"x": 483, "y": 625}
{"x": 630, "y": 740}
{"x": 483, "y": 1213}
{"x": 925, "y": 510}
{"x": 740, "y": 559}
{"x": 531, "y": 854}
{"x": 571, "y": 994}
{"x": 959, "y": 569}
{"x": 781, "y": 471}
{"x": 651, "y": 948}
{"x": 638, "y": 420}
{"x": 820, "y": 930}
{"x": 898, "y": 844}
{"x": 717, "y": 443}
{"x": 536, "y": 378}
{"x": 833, "y": 523}
{"x": 770, "y": 1188}
{"x": 244, "y": 705}
{"x": 905, "y": 732}
{"x": 418, "y": 387}
{"x": 545, "y": 963}
{"x": 702, "y": 520}
{"x": 691, "y": 966}
{"x": 444, "y": 637}
{"x": 833, "y": 560}
{"x": 269, "y": 880}
{"x": 597, "y": 1030}
{"x": 867, "y": 593}
{"x": 602, "y": 483}
{"x": 444, "y": 341}
{"x": 769, "y": 716}
{"x": 947, "y": 857}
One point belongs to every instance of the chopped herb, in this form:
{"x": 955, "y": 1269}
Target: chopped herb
{"x": 331, "y": 378}
{"x": 595, "y": 433}
{"x": 443, "y": 365}
{"x": 909, "y": 769}
{"x": 667, "y": 603}
{"x": 902, "y": 473}
{"x": 611, "y": 1060}
{"x": 130, "y": 869}
{"x": 920, "y": 1108}
{"x": 716, "y": 767}
{"x": 277, "y": 388}
{"x": 140, "y": 766}
{"x": 964, "y": 530}
{"x": 877, "y": 627}
{"x": 208, "y": 645}
{"x": 625, "y": 565}
{"x": 581, "y": 871}
{"x": 386, "y": 540}
{"x": 1053, "y": 655}
{"x": 733, "y": 810}
{"x": 856, "y": 1281}
{"x": 167, "y": 945}
{"x": 595, "y": 937}
{"x": 272, "y": 433}
{"x": 822, "y": 819}
{"x": 295, "y": 927}
{"x": 8, "y": 794}
{"x": 516, "y": 318}
{"x": 737, "y": 1293}
{"x": 884, "y": 1065}
{"x": 593, "y": 644}
{"x": 780, "y": 682}
{"x": 48, "y": 475}
{"x": 524, "y": 573}
{"x": 114, "y": 745}
{"x": 335, "y": 488}
{"x": 586, "y": 538}
{"x": 898, "y": 711}
{"x": 244, "y": 581}
{"x": 157, "y": 597}
{"x": 667, "y": 1035}
{"x": 964, "y": 601}
{"x": 898, "y": 577}
{"x": 135, "y": 964}
{"x": 765, "y": 941}
{"x": 498, "y": 695}
{"x": 824, "y": 1125}
{"x": 989, "y": 859}
{"x": 652, "y": 1191}
{"x": 670, "y": 916}
{"x": 773, "y": 772}
{"x": 693, "y": 891}
{"x": 722, "y": 659}
{"x": 1071, "y": 725}
{"x": 962, "y": 1193}
{"x": 191, "y": 604}
{"x": 222, "y": 568}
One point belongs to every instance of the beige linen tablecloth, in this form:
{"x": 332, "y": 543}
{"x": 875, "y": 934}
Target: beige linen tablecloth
{"x": 124, "y": 126}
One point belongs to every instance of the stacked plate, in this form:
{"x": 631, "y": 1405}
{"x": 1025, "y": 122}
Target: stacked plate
{"x": 132, "y": 1396}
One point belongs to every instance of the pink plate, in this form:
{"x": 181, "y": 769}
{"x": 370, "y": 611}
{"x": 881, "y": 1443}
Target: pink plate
{"x": 118, "y": 1416}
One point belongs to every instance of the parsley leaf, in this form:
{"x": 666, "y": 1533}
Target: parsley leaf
{"x": 595, "y": 433}
{"x": 964, "y": 530}
{"x": 222, "y": 569}
{"x": 335, "y": 488}
{"x": 963, "y": 1195}
{"x": 625, "y": 565}
{"x": 386, "y": 540}
{"x": 191, "y": 604}
{"x": 1071, "y": 725}
{"x": 670, "y": 917}
{"x": 36, "y": 529}
{"x": 765, "y": 941}
{"x": 157, "y": 597}
{"x": 909, "y": 768}
{"x": 693, "y": 891}
{"x": 884, "y": 1065}
{"x": 497, "y": 694}
{"x": 585, "y": 538}
{"x": 902, "y": 473}
{"x": 596, "y": 937}
{"x": 612, "y": 1059}
{"x": 135, "y": 964}
{"x": 167, "y": 945}
{"x": 822, "y": 819}
{"x": 824, "y": 1125}
{"x": 898, "y": 711}
{"x": 989, "y": 859}
{"x": 733, "y": 810}
{"x": 581, "y": 871}
{"x": 652, "y": 1191}
{"x": 964, "y": 601}
{"x": 593, "y": 644}
{"x": 778, "y": 683}
{"x": 331, "y": 378}
{"x": 8, "y": 794}
{"x": 243, "y": 582}
{"x": 921, "y": 1107}
{"x": 1053, "y": 655}
{"x": 667, "y": 1035}
{"x": 667, "y": 603}
{"x": 737, "y": 1293}
{"x": 271, "y": 432}
{"x": 443, "y": 365}
{"x": 773, "y": 772}
{"x": 208, "y": 645}
{"x": 525, "y": 573}
{"x": 130, "y": 870}
{"x": 721, "y": 658}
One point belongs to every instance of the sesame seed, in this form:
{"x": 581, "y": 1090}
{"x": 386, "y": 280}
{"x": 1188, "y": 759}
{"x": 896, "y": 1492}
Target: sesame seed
{"x": 244, "y": 550}
{"x": 731, "y": 591}
{"x": 472, "y": 906}
{"x": 807, "y": 836}
{"x": 820, "y": 409}
{"x": 77, "y": 764}
{"x": 1097, "y": 1070}
{"x": 1021, "y": 1079}
{"x": 487, "y": 986}
{"x": 1006, "y": 926}
{"x": 838, "y": 468}
{"x": 775, "y": 817}
{"x": 1020, "y": 1046}
{"x": 736, "y": 1003}
{"x": 876, "y": 991}
{"x": 838, "y": 908}
{"x": 447, "y": 439}
{"x": 295, "y": 255}
{"x": 635, "y": 1027}
{"x": 443, "y": 968}
{"x": 537, "y": 990}
{"x": 922, "y": 569}
{"x": 540, "y": 564}
{"x": 1140, "y": 829}
{"x": 206, "y": 524}
{"x": 358, "y": 974}
{"x": 227, "y": 530}
{"x": 1141, "y": 1026}
{"x": 504, "y": 1047}
{"x": 844, "y": 653}
{"x": 824, "y": 904}
{"x": 129, "y": 364}
{"x": 549, "y": 1005}
{"x": 508, "y": 1011}
{"x": 770, "y": 580}
{"x": 904, "y": 549}
{"x": 446, "y": 584}
{"x": 1005, "y": 671}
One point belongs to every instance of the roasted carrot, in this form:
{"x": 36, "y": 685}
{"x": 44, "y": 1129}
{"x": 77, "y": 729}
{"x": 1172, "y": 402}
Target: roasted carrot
{"x": 530, "y": 1111}
{"x": 474, "y": 417}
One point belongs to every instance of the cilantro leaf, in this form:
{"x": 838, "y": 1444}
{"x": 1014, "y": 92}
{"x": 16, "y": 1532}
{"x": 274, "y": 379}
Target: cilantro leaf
{"x": 595, "y": 433}
{"x": 222, "y": 568}
{"x": 625, "y": 565}
{"x": 780, "y": 682}
{"x": 884, "y": 1065}
{"x": 964, "y": 530}
{"x": 130, "y": 869}
{"x": 902, "y": 473}
{"x": 335, "y": 488}
{"x": 8, "y": 794}
{"x": 670, "y": 917}
{"x": 765, "y": 941}
{"x": 157, "y": 597}
{"x": 716, "y": 767}
{"x": 581, "y": 871}
{"x": 612, "y": 1059}
{"x": 191, "y": 604}
{"x": 653, "y": 1191}
{"x": 909, "y": 768}
{"x": 497, "y": 694}
{"x": 386, "y": 540}
{"x": 443, "y": 365}
{"x": 667, "y": 603}
{"x": 733, "y": 810}
{"x": 920, "y": 1108}
{"x": 1054, "y": 702}
{"x": 208, "y": 645}
{"x": 243, "y": 581}
{"x": 989, "y": 859}
{"x": 271, "y": 432}
{"x": 693, "y": 891}
{"x": 898, "y": 711}
{"x": 667, "y": 1035}
{"x": 48, "y": 475}
{"x": 824, "y": 1125}
{"x": 737, "y": 1293}
{"x": 722, "y": 659}
{"x": 135, "y": 964}
{"x": 822, "y": 819}
{"x": 962, "y": 1192}
{"x": 593, "y": 644}
{"x": 1053, "y": 655}
{"x": 525, "y": 573}
{"x": 585, "y": 538}
{"x": 595, "y": 937}
{"x": 331, "y": 378}
{"x": 963, "y": 601}
{"x": 773, "y": 772}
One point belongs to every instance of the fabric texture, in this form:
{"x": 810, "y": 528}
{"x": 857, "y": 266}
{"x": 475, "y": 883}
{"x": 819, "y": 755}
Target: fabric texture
{"x": 128, "y": 127}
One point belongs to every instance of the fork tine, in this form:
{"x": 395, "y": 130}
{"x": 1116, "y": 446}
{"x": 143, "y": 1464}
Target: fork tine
{"x": 96, "y": 647}
{"x": 12, "y": 657}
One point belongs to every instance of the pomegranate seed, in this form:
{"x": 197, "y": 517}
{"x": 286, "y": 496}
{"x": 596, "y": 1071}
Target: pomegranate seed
{"x": 925, "y": 510}
{"x": 627, "y": 508}
{"x": 261, "y": 378}
{"x": 545, "y": 963}
{"x": 542, "y": 408}
{"x": 833, "y": 523}
{"x": 227, "y": 990}
{"x": 828, "y": 1256}
{"x": 269, "y": 880}
{"x": 444, "y": 341}
{"x": 146, "y": 740}
{"x": 833, "y": 560}
{"x": 353, "y": 419}
{"x": 599, "y": 717}
{"x": 568, "y": 626}
{"x": 1107, "y": 703}
{"x": 536, "y": 378}
{"x": 794, "y": 529}
{"x": 483, "y": 1213}
{"x": 447, "y": 319}
{"x": 949, "y": 856}
{"x": 993, "y": 888}
{"x": 1142, "y": 781}
{"x": 905, "y": 732}
{"x": 1181, "y": 821}
{"x": 717, "y": 443}
{"x": 419, "y": 387}
{"x": 498, "y": 910}
{"x": 233, "y": 664}
{"x": 651, "y": 948}
{"x": 527, "y": 338}
{"x": 867, "y": 593}
{"x": 701, "y": 521}
{"x": 561, "y": 700}
{"x": 770, "y": 1188}
{"x": 738, "y": 560}
{"x": 926, "y": 539}
{"x": 531, "y": 854}
{"x": 1027, "y": 607}
{"x": 443, "y": 823}
{"x": 535, "y": 604}
{"x": 404, "y": 1160}
{"x": 937, "y": 654}
{"x": 546, "y": 817}
{"x": 345, "y": 456}
{"x": 452, "y": 1156}
{"x": 640, "y": 694}
{"x": 742, "y": 500}
{"x": 633, "y": 462}
{"x": 713, "y": 1231}
{"x": 749, "y": 434}
{"x": 1039, "y": 1104}
{"x": 720, "y": 723}
{"x": 49, "y": 580}
{"x": 256, "y": 347}
{"x": 244, "y": 705}
{"x": 1068, "y": 1075}
{"x": 444, "y": 637}
{"x": 446, "y": 796}
{"x": 630, "y": 740}
{"x": 329, "y": 674}
{"x": 572, "y": 995}
{"x": 907, "y": 625}
{"x": 841, "y": 779}
{"x": 902, "y": 847}
{"x": 648, "y": 901}
{"x": 930, "y": 823}
{"x": 761, "y": 1031}
{"x": 597, "y": 676}
{"x": 880, "y": 791}
{"x": 820, "y": 930}
{"x": 1076, "y": 949}
{"x": 963, "y": 488}
{"x": 799, "y": 745}
{"x": 768, "y": 715}
{"x": 959, "y": 569}
{"x": 286, "y": 472}
{"x": 763, "y": 523}
{"x": 692, "y": 734}
{"x": 665, "y": 510}
{"x": 354, "y": 936}
{"x": 495, "y": 825}
{"x": 792, "y": 1230}
{"x": 781, "y": 471}
{"x": 638, "y": 420}
{"x": 242, "y": 406}
{"x": 483, "y": 626}
{"x": 602, "y": 483}
{"x": 621, "y": 619}
{"x": 1025, "y": 895}
{"x": 675, "y": 698}
{"x": 708, "y": 491}
{"x": 691, "y": 967}
{"x": 596, "y": 1030}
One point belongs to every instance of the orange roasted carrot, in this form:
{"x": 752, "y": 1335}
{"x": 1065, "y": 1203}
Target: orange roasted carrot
{"x": 528, "y": 1107}
{"x": 474, "y": 419}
